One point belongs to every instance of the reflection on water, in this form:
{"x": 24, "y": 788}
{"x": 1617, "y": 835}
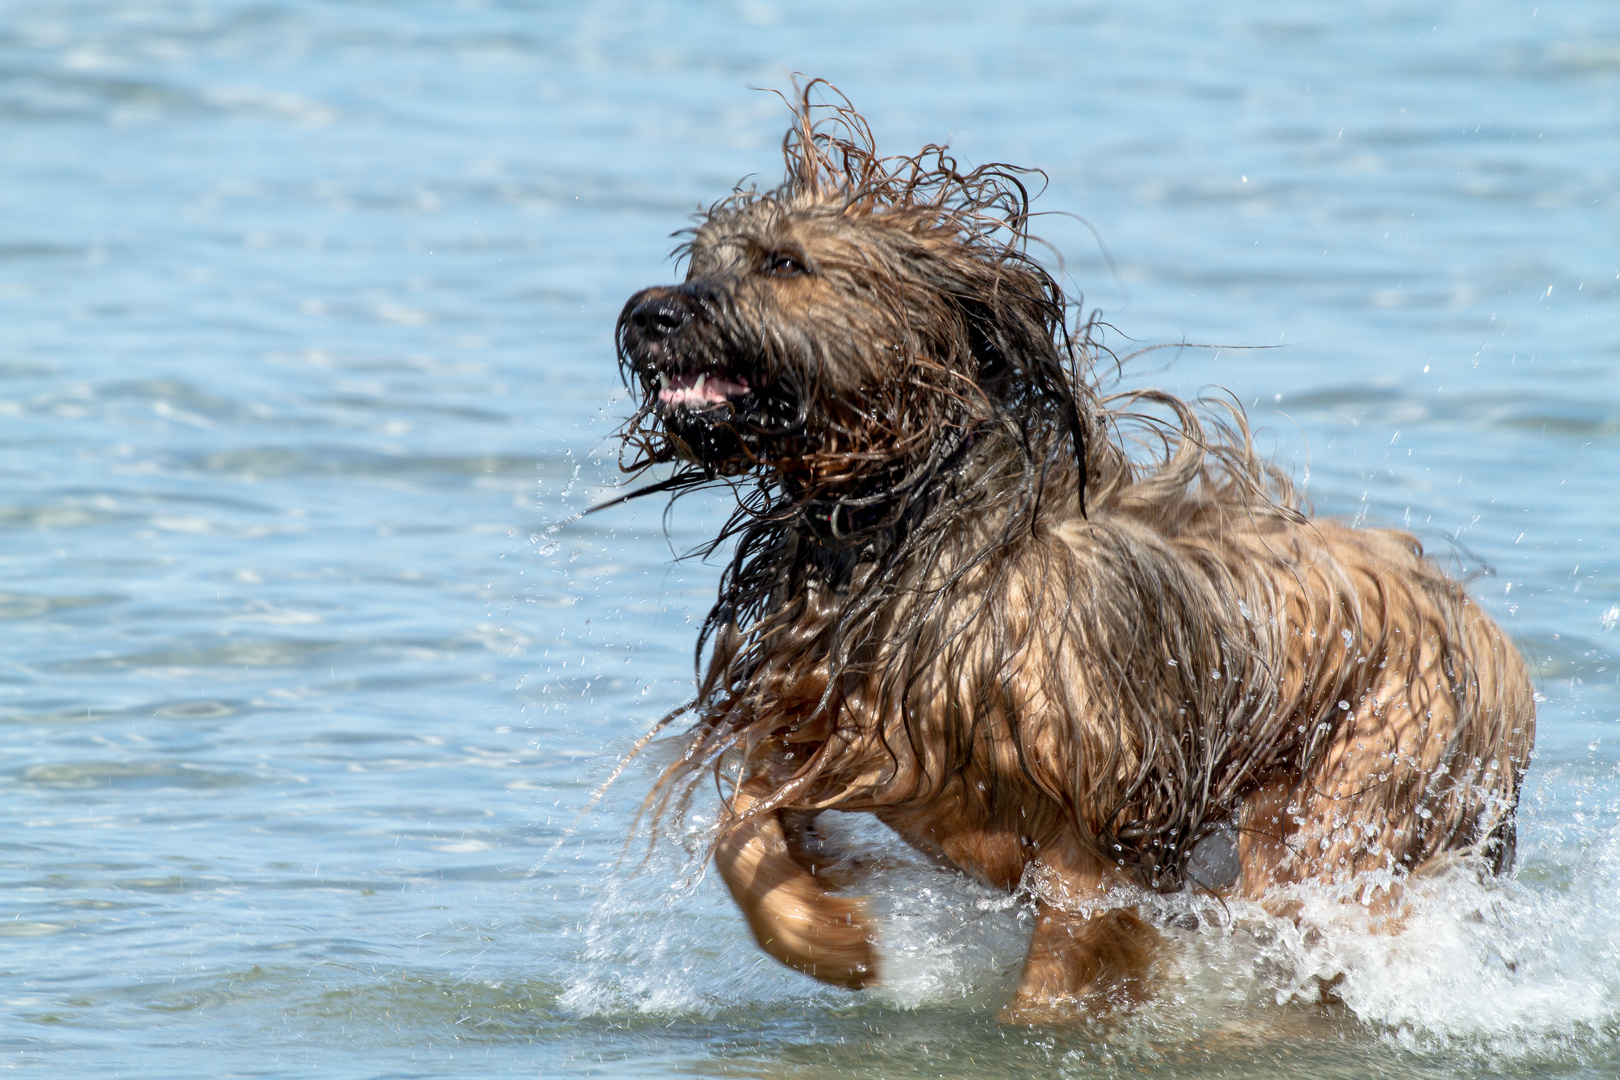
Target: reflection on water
{"x": 305, "y": 345}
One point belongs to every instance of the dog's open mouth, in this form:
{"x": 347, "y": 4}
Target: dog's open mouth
{"x": 698, "y": 390}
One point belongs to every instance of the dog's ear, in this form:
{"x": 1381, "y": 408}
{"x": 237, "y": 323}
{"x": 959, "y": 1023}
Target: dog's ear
{"x": 1018, "y": 365}
{"x": 987, "y": 346}
{"x": 1012, "y": 353}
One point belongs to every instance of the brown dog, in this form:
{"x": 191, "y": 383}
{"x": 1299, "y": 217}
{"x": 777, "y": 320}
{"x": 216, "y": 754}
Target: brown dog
{"x": 1061, "y": 642}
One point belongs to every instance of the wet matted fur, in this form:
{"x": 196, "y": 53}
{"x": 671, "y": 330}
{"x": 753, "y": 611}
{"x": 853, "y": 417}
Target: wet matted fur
{"x": 1065, "y": 642}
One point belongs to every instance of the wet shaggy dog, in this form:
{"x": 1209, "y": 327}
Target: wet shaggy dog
{"x": 1073, "y": 644}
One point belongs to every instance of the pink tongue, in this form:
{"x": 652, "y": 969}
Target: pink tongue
{"x": 684, "y": 389}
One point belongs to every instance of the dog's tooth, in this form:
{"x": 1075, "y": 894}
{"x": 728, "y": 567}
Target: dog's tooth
{"x": 698, "y": 386}
{"x": 663, "y": 380}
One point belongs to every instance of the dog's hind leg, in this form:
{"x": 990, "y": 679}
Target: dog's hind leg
{"x": 793, "y": 917}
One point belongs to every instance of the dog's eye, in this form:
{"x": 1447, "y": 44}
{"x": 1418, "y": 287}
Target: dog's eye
{"x": 783, "y": 266}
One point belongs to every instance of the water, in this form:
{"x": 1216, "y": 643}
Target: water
{"x": 305, "y": 342}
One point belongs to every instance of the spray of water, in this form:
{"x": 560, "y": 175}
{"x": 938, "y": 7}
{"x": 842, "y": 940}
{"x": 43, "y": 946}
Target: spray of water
{"x": 1526, "y": 967}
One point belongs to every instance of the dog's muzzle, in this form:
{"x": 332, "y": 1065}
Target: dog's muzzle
{"x": 656, "y": 334}
{"x": 654, "y": 315}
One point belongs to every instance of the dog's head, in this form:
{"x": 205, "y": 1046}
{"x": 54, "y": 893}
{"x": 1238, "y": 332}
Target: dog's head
{"x": 853, "y": 320}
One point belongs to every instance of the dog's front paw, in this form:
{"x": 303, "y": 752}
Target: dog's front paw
{"x": 791, "y": 913}
{"x": 825, "y": 936}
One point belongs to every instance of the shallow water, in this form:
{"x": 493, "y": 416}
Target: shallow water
{"x": 305, "y": 343}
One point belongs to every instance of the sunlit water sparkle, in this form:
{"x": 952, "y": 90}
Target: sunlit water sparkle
{"x": 305, "y": 349}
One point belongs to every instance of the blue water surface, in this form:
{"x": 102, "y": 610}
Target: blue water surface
{"x": 306, "y": 318}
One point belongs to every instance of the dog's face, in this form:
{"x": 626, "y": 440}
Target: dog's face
{"x": 802, "y": 329}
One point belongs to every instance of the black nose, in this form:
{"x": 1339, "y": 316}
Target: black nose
{"x": 660, "y": 316}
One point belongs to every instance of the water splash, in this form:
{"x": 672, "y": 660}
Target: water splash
{"x": 1480, "y": 969}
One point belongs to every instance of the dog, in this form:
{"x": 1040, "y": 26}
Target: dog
{"x": 1065, "y": 642}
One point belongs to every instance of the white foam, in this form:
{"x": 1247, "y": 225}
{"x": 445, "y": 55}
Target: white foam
{"x": 1525, "y": 965}
{"x": 944, "y": 938}
{"x": 1509, "y": 964}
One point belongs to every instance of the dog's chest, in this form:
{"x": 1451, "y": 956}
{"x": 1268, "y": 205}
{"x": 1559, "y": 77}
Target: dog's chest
{"x": 965, "y": 837}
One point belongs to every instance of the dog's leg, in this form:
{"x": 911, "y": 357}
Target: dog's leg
{"x": 1083, "y": 957}
{"x": 1085, "y": 963}
{"x": 791, "y": 915}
